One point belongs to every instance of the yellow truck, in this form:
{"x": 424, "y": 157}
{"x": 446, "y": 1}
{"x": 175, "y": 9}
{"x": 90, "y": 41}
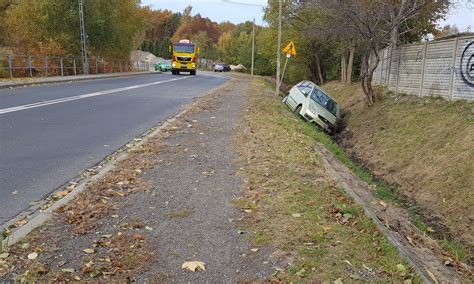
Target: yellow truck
{"x": 185, "y": 55}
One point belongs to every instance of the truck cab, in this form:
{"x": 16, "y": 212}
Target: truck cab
{"x": 184, "y": 57}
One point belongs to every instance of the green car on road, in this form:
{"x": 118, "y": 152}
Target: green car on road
{"x": 163, "y": 66}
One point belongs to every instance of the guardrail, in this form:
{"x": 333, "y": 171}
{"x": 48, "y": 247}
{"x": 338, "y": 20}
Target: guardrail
{"x": 35, "y": 66}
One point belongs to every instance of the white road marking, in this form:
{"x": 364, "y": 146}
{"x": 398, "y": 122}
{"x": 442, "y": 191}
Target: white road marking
{"x": 79, "y": 97}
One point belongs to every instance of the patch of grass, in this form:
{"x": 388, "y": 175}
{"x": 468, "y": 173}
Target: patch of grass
{"x": 179, "y": 213}
{"x": 244, "y": 204}
{"x": 457, "y": 249}
{"x": 260, "y": 237}
{"x": 298, "y": 208}
{"x": 418, "y": 221}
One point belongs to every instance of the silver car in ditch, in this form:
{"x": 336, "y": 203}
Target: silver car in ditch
{"x": 313, "y": 104}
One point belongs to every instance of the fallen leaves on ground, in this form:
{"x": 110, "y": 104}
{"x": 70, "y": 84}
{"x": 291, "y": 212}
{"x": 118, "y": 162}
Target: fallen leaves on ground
{"x": 194, "y": 265}
{"x": 4, "y": 255}
{"x": 21, "y": 223}
{"x": 432, "y": 276}
{"x": 33, "y": 255}
{"x": 89, "y": 251}
{"x": 208, "y": 173}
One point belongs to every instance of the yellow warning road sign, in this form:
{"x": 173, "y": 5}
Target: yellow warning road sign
{"x": 290, "y": 49}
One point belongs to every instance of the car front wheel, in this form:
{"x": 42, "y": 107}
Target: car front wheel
{"x": 298, "y": 110}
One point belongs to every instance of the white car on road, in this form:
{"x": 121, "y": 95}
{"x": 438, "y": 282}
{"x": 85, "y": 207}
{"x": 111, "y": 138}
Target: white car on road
{"x": 312, "y": 103}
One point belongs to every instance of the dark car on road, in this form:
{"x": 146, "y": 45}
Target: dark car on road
{"x": 221, "y": 67}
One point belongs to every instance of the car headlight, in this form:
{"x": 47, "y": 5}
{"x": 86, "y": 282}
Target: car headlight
{"x": 309, "y": 115}
{"x": 174, "y": 64}
{"x": 194, "y": 65}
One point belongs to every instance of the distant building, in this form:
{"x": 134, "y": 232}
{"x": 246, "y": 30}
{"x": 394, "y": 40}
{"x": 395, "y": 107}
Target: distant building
{"x": 140, "y": 58}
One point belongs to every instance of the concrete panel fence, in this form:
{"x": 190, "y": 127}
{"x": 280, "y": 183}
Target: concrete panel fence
{"x": 443, "y": 68}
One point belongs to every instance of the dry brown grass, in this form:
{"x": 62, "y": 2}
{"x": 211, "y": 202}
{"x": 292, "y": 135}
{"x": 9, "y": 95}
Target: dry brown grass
{"x": 423, "y": 145}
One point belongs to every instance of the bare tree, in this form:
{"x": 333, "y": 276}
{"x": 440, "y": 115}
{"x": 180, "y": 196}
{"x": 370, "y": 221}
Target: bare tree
{"x": 376, "y": 23}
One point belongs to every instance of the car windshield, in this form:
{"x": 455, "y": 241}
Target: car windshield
{"x": 184, "y": 48}
{"x": 325, "y": 101}
{"x": 305, "y": 87}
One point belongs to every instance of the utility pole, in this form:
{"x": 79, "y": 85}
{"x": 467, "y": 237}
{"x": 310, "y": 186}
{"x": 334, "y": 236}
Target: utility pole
{"x": 85, "y": 63}
{"x": 253, "y": 46}
{"x": 280, "y": 4}
{"x": 253, "y": 28}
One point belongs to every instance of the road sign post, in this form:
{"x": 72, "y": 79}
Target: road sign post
{"x": 288, "y": 56}
{"x": 290, "y": 51}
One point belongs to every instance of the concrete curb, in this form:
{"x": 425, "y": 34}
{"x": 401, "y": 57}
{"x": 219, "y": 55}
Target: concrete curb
{"x": 39, "y": 217}
{"x": 70, "y": 79}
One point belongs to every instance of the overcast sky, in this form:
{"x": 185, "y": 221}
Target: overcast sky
{"x": 219, "y": 11}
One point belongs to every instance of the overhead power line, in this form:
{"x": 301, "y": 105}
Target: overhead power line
{"x": 242, "y": 3}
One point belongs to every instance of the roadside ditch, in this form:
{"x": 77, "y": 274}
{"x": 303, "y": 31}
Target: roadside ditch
{"x": 431, "y": 261}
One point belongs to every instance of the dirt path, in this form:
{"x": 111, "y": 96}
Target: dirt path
{"x": 170, "y": 202}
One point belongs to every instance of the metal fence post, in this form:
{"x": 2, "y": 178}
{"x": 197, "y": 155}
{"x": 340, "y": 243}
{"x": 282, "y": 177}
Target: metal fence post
{"x": 10, "y": 66}
{"x": 453, "y": 70}
{"x": 62, "y": 66}
{"x": 46, "y": 66}
{"x": 425, "y": 48}
{"x": 105, "y": 67}
{"x": 74, "y": 65}
{"x": 30, "y": 67}
{"x": 96, "y": 66}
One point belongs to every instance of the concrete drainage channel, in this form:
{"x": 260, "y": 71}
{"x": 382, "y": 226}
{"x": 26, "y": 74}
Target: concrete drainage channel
{"x": 419, "y": 250}
{"x": 41, "y": 211}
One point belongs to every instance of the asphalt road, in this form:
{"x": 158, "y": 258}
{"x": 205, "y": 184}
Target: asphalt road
{"x": 50, "y": 133}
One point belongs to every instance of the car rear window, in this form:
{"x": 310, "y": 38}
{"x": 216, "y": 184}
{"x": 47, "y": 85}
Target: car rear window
{"x": 325, "y": 101}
